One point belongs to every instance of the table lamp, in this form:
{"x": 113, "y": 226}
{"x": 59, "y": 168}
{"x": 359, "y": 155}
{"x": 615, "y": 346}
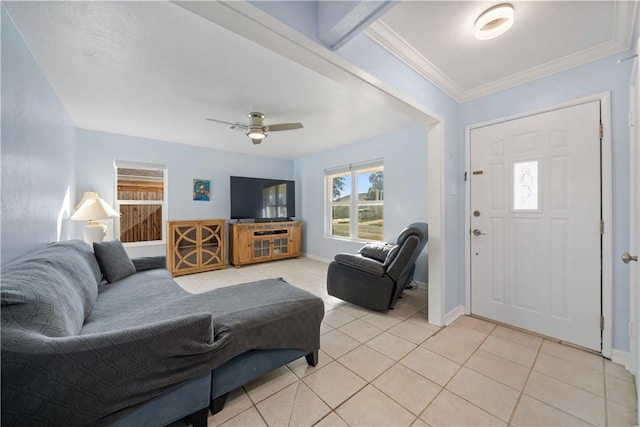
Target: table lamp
{"x": 92, "y": 208}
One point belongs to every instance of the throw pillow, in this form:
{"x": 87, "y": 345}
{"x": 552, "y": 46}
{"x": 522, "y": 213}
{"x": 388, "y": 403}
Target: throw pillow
{"x": 113, "y": 259}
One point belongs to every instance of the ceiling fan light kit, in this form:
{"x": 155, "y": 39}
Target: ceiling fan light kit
{"x": 494, "y": 21}
{"x": 256, "y": 129}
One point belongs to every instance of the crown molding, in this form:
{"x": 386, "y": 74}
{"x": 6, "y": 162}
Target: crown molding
{"x": 624, "y": 16}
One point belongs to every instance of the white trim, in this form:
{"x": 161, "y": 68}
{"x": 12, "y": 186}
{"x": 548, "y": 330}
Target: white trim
{"x": 316, "y": 258}
{"x": 452, "y": 315}
{"x": 607, "y": 206}
{"x": 622, "y": 358}
{"x": 620, "y": 41}
{"x": 436, "y": 219}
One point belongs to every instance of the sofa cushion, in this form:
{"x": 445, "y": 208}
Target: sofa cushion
{"x": 380, "y": 252}
{"x": 113, "y": 259}
{"x": 51, "y": 290}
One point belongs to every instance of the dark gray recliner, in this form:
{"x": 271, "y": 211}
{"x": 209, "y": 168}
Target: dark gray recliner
{"x": 376, "y": 276}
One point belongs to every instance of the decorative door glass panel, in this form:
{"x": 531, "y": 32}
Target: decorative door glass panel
{"x": 525, "y": 186}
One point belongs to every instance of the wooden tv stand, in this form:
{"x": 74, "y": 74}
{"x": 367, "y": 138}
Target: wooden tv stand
{"x": 264, "y": 241}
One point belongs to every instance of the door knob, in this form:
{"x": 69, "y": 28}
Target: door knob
{"x": 477, "y": 232}
{"x": 627, "y": 258}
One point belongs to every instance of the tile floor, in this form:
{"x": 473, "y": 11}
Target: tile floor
{"x": 397, "y": 370}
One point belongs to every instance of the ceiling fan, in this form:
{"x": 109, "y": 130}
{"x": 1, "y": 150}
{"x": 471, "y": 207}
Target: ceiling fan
{"x": 256, "y": 129}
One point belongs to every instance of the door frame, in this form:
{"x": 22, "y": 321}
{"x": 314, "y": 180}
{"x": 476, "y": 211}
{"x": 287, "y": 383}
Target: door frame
{"x": 607, "y": 205}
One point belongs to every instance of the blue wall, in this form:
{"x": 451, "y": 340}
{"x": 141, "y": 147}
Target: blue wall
{"x": 596, "y": 77}
{"x": 38, "y": 152}
{"x": 97, "y": 152}
{"x": 405, "y": 185}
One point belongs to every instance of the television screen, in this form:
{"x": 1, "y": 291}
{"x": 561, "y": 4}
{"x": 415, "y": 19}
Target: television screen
{"x": 262, "y": 199}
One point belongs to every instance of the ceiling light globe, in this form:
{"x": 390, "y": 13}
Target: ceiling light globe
{"x": 494, "y": 21}
{"x": 256, "y": 133}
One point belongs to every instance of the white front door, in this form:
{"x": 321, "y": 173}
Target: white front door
{"x": 536, "y": 221}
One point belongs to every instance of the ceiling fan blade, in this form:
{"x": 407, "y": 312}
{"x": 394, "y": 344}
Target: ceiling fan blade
{"x": 256, "y": 141}
{"x": 233, "y": 125}
{"x": 284, "y": 126}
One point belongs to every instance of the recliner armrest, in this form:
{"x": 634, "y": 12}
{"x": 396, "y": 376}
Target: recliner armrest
{"x": 361, "y": 263}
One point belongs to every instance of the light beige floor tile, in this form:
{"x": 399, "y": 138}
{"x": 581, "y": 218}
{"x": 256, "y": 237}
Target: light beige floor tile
{"x": 528, "y": 340}
{"x": 569, "y": 372}
{"x": 269, "y": 383}
{"x": 574, "y": 355}
{"x": 301, "y": 368}
{"x": 366, "y": 362}
{"x": 391, "y": 346}
{"x": 370, "y": 407}
{"x": 408, "y": 389}
{"x": 337, "y": 318}
{"x": 431, "y": 365}
{"x": 450, "y": 410}
{"x": 334, "y": 383}
{"x": 324, "y": 328}
{"x": 621, "y": 391}
{"x": 237, "y": 402}
{"x": 295, "y": 405}
{"x": 617, "y": 370}
{"x": 381, "y": 320}
{"x": 509, "y": 350}
{"x": 501, "y": 370}
{"x": 449, "y": 347}
{"x": 419, "y": 423}
{"x": 412, "y": 332}
{"x": 403, "y": 309}
{"x": 336, "y": 344}
{"x": 421, "y": 318}
{"x": 331, "y": 420}
{"x": 248, "y": 418}
{"x": 360, "y": 330}
{"x": 533, "y": 413}
{"x": 573, "y": 400}
{"x": 484, "y": 392}
{"x": 470, "y": 336}
{"x": 620, "y": 415}
{"x": 475, "y": 323}
{"x": 355, "y": 310}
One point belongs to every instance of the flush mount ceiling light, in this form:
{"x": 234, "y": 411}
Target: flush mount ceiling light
{"x": 494, "y": 21}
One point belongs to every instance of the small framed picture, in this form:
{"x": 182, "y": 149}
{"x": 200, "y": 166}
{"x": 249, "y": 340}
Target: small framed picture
{"x": 201, "y": 189}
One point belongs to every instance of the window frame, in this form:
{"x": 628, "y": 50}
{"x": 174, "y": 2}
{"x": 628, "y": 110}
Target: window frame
{"x": 352, "y": 170}
{"x": 163, "y": 203}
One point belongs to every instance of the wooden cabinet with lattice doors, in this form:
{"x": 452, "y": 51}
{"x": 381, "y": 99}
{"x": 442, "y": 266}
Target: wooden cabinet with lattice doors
{"x": 257, "y": 242}
{"x": 195, "y": 246}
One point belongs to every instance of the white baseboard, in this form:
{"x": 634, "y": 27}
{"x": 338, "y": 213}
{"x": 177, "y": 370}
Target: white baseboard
{"x": 622, "y": 358}
{"x": 316, "y": 258}
{"x": 452, "y": 315}
{"x": 421, "y": 285}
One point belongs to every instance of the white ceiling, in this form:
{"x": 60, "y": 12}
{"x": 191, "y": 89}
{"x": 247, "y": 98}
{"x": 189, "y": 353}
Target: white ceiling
{"x": 437, "y": 39}
{"x": 156, "y": 70}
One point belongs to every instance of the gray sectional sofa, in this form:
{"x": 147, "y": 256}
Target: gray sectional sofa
{"x": 99, "y": 339}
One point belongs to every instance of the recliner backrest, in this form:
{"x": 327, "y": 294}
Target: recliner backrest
{"x": 411, "y": 242}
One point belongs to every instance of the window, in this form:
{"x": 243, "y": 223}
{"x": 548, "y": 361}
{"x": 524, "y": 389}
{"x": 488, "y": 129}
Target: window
{"x": 140, "y": 198}
{"x": 360, "y": 217}
{"x": 525, "y": 186}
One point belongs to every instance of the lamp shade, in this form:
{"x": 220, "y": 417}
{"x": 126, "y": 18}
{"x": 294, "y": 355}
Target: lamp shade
{"x": 92, "y": 207}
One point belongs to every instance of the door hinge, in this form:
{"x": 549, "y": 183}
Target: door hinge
{"x": 602, "y": 323}
{"x": 601, "y": 227}
{"x": 601, "y": 131}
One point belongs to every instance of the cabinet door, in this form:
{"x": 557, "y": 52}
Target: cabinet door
{"x": 295, "y": 238}
{"x": 185, "y": 247}
{"x": 211, "y": 243}
{"x": 261, "y": 248}
{"x": 280, "y": 246}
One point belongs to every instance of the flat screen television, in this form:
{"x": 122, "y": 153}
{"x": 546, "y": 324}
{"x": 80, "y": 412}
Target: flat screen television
{"x": 262, "y": 199}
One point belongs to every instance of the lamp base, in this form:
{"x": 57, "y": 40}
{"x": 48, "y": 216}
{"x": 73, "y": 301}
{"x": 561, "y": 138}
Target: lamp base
{"x": 94, "y": 232}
